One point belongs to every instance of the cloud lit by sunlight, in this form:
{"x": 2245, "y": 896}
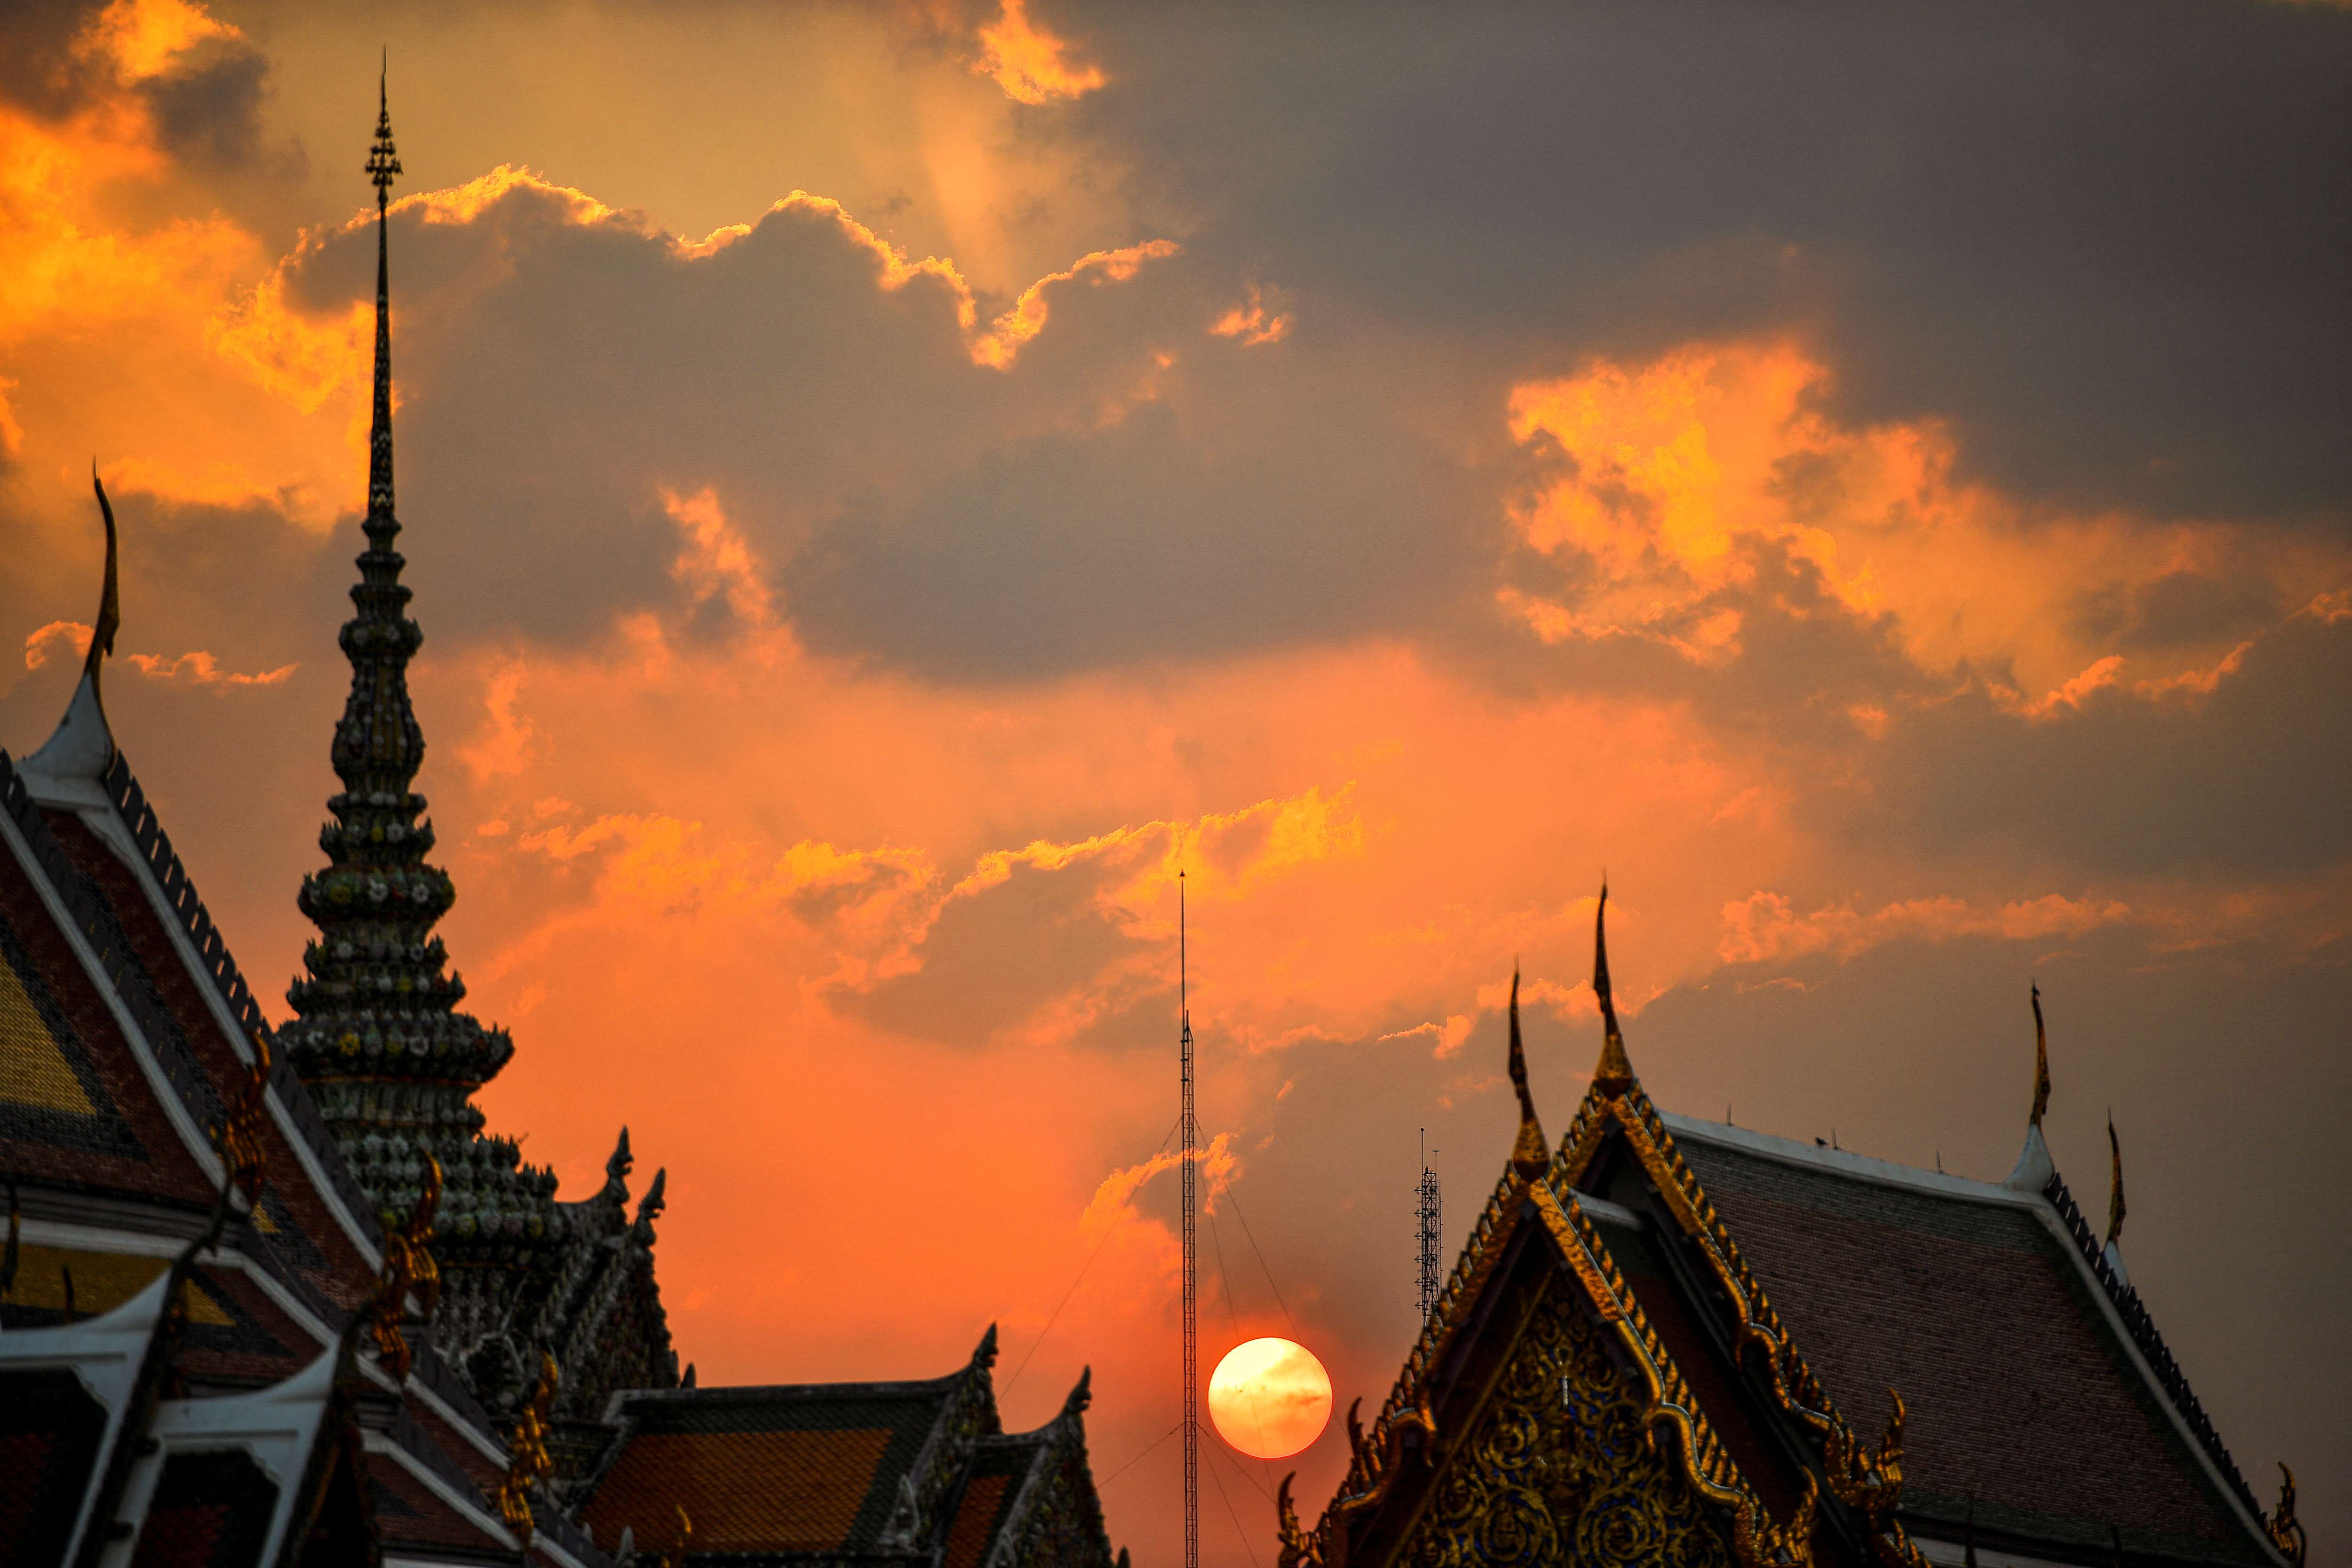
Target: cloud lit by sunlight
{"x": 1028, "y": 62}
{"x": 1665, "y": 480}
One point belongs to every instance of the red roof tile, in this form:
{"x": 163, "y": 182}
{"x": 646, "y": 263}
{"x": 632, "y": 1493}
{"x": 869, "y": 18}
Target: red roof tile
{"x": 746, "y": 1491}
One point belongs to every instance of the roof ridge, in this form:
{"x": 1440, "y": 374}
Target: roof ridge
{"x": 145, "y": 827}
{"x": 2141, "y": 1325}
{"x": 97, "y": 926}
{"x": 1843, "y": 1162}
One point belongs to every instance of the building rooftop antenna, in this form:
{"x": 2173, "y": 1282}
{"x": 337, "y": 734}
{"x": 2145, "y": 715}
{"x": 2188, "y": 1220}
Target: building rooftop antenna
{"x": 1191, "y": 1249}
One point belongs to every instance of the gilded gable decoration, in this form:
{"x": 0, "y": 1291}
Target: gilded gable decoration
{"x": 239, "y": 1138}
{"x": 527, "y": 1460}
{"x": 2284, "y": 1530}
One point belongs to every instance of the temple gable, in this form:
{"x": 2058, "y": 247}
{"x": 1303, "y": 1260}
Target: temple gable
{"x": 1554, "y": 1462}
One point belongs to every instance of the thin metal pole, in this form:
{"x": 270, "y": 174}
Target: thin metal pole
{"x": 1191, "y": 1254}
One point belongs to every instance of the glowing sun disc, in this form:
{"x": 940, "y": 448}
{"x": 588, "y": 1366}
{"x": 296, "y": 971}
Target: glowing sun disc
{"x": 1270, "y": 1398}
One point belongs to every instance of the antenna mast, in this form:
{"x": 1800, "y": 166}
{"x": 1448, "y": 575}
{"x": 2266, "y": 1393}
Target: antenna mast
{"x": 1429, "y": 1226}
{"x": 1192, "y": 1255}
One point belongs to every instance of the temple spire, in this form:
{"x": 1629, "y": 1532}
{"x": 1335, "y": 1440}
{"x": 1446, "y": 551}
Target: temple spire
{"x": 1615, "y": 1074}
{"x": 379, "y": 1034}
{"x": 1531, "y": 1155}
{"x": 383, "y": 165}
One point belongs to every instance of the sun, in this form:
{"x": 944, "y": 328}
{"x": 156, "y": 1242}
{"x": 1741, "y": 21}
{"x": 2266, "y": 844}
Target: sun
{"x": 1269, "y": 1398}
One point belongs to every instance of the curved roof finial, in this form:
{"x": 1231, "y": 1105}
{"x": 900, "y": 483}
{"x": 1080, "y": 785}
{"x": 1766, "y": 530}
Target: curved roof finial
{"x": 109, "y": 601}
{"x": 1615, "y": 1073}
{"x": 2114, "y": 1185}
{"x": 2041, "y": 1062}
{"x": 1530, "y": 1156}
{"x": 78, "y": 752}
{"x": 2034, "y": 1169}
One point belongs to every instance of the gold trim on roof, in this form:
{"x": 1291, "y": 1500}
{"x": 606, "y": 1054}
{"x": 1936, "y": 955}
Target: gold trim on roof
{"x": 1871, "y": 1483}
{"x": 240, "y": 1136}
{"x": 1615, "y": 1070}
{"x": 2284, "y": 1528}
{"x": 527, "y": 1460}
{"x": 1865, "y": 1480}
{"x": 1531, "y": 1154}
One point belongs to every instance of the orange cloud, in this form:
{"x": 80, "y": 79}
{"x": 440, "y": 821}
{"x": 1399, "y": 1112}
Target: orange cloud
{"x": 717, "y": 563}
{"x": 1028, "y": 62}
{"x": 143, "y": 38}
{"x": 1114, "y": 1200}
{"x": 1026, "y": 318}
{"x": 38, "y": 644}
{"x": 129, "y": 312}
{"x": 194, "y": 669}
{"x": 1251, "y": 324}
{"x": 1667, "y": 477}
{"x": 201, "y": 669}
{"x": 999, "y": 343}
{"x": 1763, "y": 928}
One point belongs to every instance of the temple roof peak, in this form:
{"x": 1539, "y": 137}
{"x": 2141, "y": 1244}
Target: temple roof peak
{"x": 2041, "y": 1062}
{"x": 1530, "y": 1156}
{"x": 2113, "y": 1249}
{"x": 2035, "y": 1167}
{"x": 1614, "y": 1073}
{"x": 81, "y": 748}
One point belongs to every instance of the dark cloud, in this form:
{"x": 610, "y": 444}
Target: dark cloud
{"x": 207, "y": 108}
{"x": 1091, "y": 504}
{"x": 37, "y": 68}
{"x": 1154, "y": 537}
{"x": 2248, "y": 779}
{"x": 994, "y": 957}
{"x": 2178, "y": 609}
{"x": 2106, "y": 243}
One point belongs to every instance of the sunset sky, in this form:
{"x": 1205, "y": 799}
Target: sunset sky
{"x": 885, "y": 488}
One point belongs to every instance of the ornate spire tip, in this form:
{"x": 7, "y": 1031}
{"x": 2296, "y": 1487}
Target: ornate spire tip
{"x": 1530, "y": 1154}
{"x": 1615, "y": 1074}
{"x": 2041, "y": 1062}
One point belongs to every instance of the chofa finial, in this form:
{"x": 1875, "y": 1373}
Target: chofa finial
{"x": 80, "y": 751}
{"x": 2034, "y": 1169}
{"x": 1615, "y": 1073}
{"x": 2040, "y": 1063}
{"x": 2284, "y": 1528}
{"x": 1531, "y": 1155}
{"x": 2114, "y": 1185}
{"x": 109, "y": 600}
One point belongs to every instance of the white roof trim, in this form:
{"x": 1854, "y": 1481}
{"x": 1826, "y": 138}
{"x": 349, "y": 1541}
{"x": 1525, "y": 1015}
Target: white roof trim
{"x": 69, "y": 766}
{"x": 132, "y": 1244}
{"x": 490, "y": 1524}
{"x": 208, "y": 1159}
{"x": 106, "y": 1353}
{"x": 1845, "y": 1162}
{"x": 482, "y": 1441}
{"x": 1955, "y": 1554}
{"x": 185, "y": 948}
{"x": 276, "y": 1427}
{"x": 1885, "y": 1173}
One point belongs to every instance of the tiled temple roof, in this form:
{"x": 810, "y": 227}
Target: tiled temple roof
{"x": 1768, "y": 1294}
{"x": 775, "y": 1471}
{"x": 1964, "y": 1296}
